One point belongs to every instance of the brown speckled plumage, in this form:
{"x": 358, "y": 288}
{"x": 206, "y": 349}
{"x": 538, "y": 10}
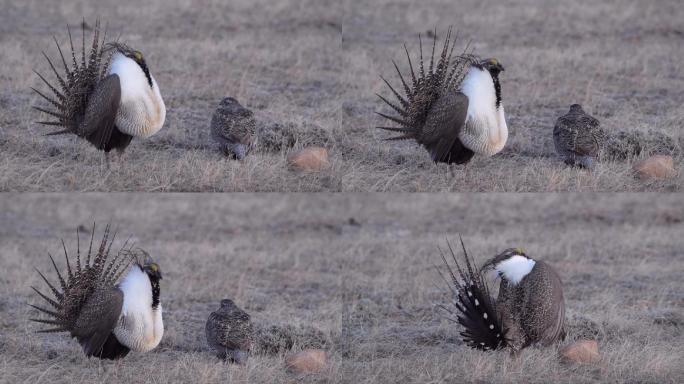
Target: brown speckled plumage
{"x": 578, "y": 137}
{"x": 230, "y": 332}
{"x": 532, "y": 311}
{"x": 233, "y": 127}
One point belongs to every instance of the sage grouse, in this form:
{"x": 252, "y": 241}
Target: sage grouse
{"x": 108, "y": 319}
{"x": 454, "y": 108}
{"x": 530, "y": 308}
{"x": 230, "y": 333}
{"x": 106, "y": 99}
{"x": 232, "y": 127}
{"x": 578, "y": 137}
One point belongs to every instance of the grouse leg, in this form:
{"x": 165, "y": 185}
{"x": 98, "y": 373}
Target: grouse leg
{"x": 106, "y": 160}
{"x": 452, "y": 172}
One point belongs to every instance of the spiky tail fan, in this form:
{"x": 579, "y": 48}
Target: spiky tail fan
{"x": 71, "y": 93}
{"x": 475, "y": 308}
{"x": 81, "y": 282}
{"x": 425, "y": 88}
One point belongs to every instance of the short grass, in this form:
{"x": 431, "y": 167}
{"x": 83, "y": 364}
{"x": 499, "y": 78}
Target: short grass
{"x": 359, "y": 269}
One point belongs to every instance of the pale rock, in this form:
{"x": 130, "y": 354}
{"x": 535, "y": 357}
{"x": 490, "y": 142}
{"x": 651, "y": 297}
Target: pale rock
{"x": 308, "y": 159}
{"x": 306, "y": 361}
{"x": 581, "y": 351}
{"x": 657, "y": 167}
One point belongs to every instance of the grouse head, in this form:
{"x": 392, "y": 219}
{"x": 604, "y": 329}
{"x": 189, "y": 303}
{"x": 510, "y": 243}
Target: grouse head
{"x": 233, "y": 107}
{"x": 148, "y": 265}
{"x": 153, "y": 271}
{"x": 134, "y": 55}
{"x": 229, "y": 101}
{"x": 493, "y": 66}
{"x": 576, "y": 108}
{"x": 227, "y": 303}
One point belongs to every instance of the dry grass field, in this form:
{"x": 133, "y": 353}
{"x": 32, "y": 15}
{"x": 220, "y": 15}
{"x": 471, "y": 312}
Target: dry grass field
{"x": 360, "y": 269}
{"x": 313, "y": 68}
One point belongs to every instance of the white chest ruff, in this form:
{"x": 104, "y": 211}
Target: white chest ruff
{"x": 485, "y": 131}
{"x": 140, "y": 328}
{"x": 142, "y": 111}
{"x": 141, "y": 332}
{"x": 515, "y": 268}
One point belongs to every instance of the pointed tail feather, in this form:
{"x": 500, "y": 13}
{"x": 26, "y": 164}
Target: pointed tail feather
{"x": 62, "y": 132}
{"x": 432, "y": 56}
{"x": 50, "y": 301}
{"x": 400, "y": 111}
{"x": 407, "y": 90}
{"x": 475, "y": 309}
{"x": 55, "y": 123}
{"x": 73, "y": 88}
{"x": 54, "y": 290}
{"x": 394, "y": 119}
{"x": 413, "y": 74}
{"x": 62, "y": 283}
{"x": 80, "y": 282}
{"x": 443, "y": 75}
{"x": 404, "y": 103}
{"x": 69, "y": 75}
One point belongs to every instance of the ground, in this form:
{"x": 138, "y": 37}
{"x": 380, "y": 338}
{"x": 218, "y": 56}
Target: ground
{"x": 314, "y": 66}
{"x": 361, "y": 270}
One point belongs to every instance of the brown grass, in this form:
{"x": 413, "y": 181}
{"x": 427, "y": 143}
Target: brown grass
{"x": 313, "y": 66}
{"x": 358, "y": 268}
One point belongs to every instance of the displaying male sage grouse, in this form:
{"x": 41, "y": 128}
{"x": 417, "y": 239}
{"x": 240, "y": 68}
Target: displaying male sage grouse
{"x": 454, "y": 109}
{"x": 106, "y": 99}
{"x": 108, "y": 319}
{"x": 230, "y": 333}
{"x": 232, "y": 127}
{"x": 530, "y": 308}
{"x": 578, "y": 137}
